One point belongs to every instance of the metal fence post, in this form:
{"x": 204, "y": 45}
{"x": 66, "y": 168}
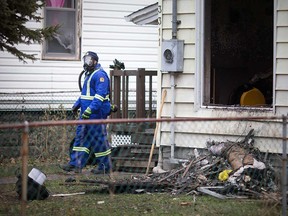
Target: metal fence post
{"x": 24, "y": 155}
{"x": 284, "y": 168}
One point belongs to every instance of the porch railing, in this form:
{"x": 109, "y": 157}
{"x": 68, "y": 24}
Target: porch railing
{"x": 119, "y": 82}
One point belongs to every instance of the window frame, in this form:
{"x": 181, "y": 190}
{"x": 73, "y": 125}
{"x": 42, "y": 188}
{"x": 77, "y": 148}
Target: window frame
{"x": 203, "y": 62}
{"x": 65, "y": 56}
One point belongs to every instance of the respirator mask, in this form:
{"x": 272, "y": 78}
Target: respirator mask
{"x": 89, "y": 63}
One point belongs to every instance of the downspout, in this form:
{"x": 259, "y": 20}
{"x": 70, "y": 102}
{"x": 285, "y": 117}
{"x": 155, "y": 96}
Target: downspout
{"x": 158, "y": 168}
{"x": 172, "y": 83}
{"x": 172, "y": 126}
{"x": 174, "y": 19}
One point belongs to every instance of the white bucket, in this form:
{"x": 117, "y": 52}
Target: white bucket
{"x": 37, "y": 176}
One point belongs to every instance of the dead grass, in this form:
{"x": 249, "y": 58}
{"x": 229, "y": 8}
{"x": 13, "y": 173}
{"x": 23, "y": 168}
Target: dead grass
{"x": 121, "y": 204}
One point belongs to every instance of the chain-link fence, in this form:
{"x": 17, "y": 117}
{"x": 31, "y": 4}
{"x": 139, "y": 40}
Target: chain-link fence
{"x": 193, "y": 158}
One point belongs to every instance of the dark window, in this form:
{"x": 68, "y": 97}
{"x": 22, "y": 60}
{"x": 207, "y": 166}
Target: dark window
{"x": 238, "y": 52}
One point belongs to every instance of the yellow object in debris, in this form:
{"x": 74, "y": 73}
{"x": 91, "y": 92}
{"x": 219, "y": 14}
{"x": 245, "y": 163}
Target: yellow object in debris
{"x": 253, "y": 97}
{"x": 224, "y": 175}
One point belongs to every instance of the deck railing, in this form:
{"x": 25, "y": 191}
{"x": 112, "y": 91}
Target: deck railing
{"x": 119, "y": 82}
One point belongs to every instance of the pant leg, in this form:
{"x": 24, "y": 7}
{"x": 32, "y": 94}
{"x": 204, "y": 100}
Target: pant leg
{"x": 81, "y": 147}
{"x": 102, "y": 148}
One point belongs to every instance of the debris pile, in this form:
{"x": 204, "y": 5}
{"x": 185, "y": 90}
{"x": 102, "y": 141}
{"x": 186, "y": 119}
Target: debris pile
{"x": 228, "y": 169}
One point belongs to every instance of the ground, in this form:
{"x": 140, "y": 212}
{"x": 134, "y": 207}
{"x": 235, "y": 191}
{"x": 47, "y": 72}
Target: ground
{"x": 105, "y": 203}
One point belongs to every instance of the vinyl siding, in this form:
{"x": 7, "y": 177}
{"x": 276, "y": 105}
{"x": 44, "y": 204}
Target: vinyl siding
{"x": 281, "y": 76}
{"x": 196, "y": 134}
{"x": 104, "y": 30}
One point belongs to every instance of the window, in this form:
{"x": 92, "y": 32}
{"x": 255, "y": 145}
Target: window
{"x": 65, "y": 44}
{"x": 237, "y": 52}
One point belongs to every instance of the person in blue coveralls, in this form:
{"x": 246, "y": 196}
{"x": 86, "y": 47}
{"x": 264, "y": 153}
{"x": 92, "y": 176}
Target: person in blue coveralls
{"x": 94, "y": 103}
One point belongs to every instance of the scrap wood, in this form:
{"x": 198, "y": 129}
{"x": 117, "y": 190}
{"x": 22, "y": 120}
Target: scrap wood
{"x": 236, "y": 197}
{"x": 273, "y": 196}
{"x": 183, "y": 168}
{"x": 209, "y": 192}
{"x": 211, "y": 165}
{"x": 186, "y": 185}
{"x": 68, "y": 194}
{"x": 192, "y": 163}
{"x": 172, "y": 174}
{"x": 129, "y": 186}
{"x": 263, "y": 194}
{"x": 76, "y": 183}
{"x": 91, "y": 181}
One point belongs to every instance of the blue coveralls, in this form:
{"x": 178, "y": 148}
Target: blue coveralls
{"x": 95, "y": 94}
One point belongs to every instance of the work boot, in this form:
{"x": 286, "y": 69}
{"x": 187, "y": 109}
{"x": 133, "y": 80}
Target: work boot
{"x": 70, "y": 168}
{"x": 99, "y": 172}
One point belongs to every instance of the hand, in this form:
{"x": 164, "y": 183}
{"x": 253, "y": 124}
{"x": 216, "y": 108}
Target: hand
{"x": 114, "y": 108}
{"x": 75, "y": 110}
{"x": 86, "y": 114}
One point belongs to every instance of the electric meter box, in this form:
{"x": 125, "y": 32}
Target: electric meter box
{"x": 172, "y": 55}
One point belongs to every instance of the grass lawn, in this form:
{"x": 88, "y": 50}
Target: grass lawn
{"x": 120, "y": 204}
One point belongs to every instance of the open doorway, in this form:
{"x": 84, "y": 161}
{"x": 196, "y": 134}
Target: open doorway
{"x": 238, "y": 51}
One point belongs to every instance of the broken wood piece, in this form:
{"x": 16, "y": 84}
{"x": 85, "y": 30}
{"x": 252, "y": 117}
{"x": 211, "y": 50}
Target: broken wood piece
{"x": 187, "y": 168}
{"x": 192, "y": 163}
{"x": 174, "y": 173}
{"x": 68, "y": 194}
{"x": 212, "y": 193}
{"x": 184, "y": 168}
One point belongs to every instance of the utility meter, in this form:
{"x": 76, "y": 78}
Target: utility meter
{"x": 172, "y": 55}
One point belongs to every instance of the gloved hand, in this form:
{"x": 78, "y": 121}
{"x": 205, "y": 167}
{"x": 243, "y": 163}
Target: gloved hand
{"x": 113, "y": 108}
{"x": 87, "y": 113}
{"x": 74, "y": 110}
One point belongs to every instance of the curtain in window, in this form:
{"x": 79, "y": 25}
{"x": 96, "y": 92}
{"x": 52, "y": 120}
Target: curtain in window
{"x": 55, "y": 3}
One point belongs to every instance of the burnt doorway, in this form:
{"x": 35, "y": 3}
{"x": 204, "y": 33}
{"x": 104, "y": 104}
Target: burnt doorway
{"x": 238, "y": 50}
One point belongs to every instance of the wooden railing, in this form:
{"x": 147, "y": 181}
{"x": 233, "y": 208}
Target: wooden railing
{"x": 119, "y": 82}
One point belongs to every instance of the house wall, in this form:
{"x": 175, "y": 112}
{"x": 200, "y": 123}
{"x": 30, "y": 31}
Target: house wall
{"x": 188, "y": 90}
{"x": 281, "y": 57}
{"x": 104, "y": 30}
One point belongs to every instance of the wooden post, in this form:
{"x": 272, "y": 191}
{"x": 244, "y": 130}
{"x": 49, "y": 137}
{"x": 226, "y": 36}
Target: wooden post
{"x": 24, "y": 155}
{"x": 116, "y": 83}
{"x": 140, "y": 93}
{"x": 150, "y": 97}
{"x": 124, "y": 92}
{"x": 127, "y": 95}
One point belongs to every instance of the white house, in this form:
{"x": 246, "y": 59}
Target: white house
{"x": 99, "y": 26}
{"x": 227, "y": 48}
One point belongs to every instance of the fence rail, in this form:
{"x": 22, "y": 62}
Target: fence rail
{"x": 54, "y": 136}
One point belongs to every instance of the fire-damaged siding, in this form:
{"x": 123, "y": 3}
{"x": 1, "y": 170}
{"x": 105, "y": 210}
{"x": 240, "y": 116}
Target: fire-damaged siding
{"x": 189, "y": 85}
{"x": 104, "y": 30}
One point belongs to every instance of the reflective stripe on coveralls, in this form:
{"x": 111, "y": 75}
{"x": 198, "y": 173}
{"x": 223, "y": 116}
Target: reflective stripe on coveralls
{"x": 88, "y": 82}
{"x": 81, "y": 149}
{"x": 92, "y": 138}
{"x": 101, "y": 154}
{"x": 96, "y": 96}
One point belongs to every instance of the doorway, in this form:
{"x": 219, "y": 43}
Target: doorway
{"x": 238, "y": 50}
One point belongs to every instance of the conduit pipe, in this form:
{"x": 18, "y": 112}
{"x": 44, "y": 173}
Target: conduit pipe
{"x": 172, "y": 115}
{"x": 172, "y": 83}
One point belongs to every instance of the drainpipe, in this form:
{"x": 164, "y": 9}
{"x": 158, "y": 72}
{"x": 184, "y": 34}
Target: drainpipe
{"x": 172, "y": 82}
{"x": 173, "y": 160}
{"x": 172, "y": 129}
{"x": 174, "y": 19}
